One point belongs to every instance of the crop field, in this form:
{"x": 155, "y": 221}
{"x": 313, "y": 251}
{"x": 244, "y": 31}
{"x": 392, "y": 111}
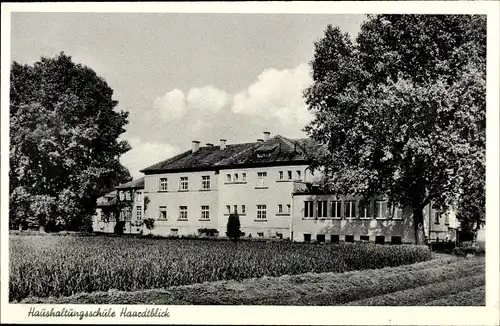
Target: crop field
{"x": 61, "y": 266}
{"x": 448, "y": 281}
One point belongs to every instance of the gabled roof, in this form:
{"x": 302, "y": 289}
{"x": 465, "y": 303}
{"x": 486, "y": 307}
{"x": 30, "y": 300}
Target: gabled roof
{"x": 134, "y": 184}
{"x": 278, "y": 150}
{"x": 108, "y": 199}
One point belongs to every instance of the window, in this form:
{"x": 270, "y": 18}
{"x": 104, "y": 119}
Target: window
{"x": 349, "y": 238}
{"x": 364, "y": 238}
{"x": 261, "y": 212}
{"x": 365, "y": 210}
{"x": 228, "y": 178}
{"x": 335, "y": 238}
{"x": 308, "y": 209}
{"x": 163, "y": 184}
{"x": 280, "y": 209}
{"x": 122, "y": 196}
{"x": 279, "y": 235}
{"x": 139, "y": 195}
{"x": 322, "y": 209}
{"x": 235, "y": 177}
{"x": 205, "y": 182}
{"x": 138, "y": 212}
{"x": 336, "y": 209}
{"x": 228, "y": 209}
{"x": 127, "y": 213}
{"x": 205, "y": 213}
{"x": 262, "y": 178}
{"x": 437, "y": 215}
{"x": 307, "y": 237}
{"x": 298, "y": 175}
{"x": 397, "y": 213}
{"x": 184, "y": 183}
{"x": 380, "y": 239}
{"x": 350, "y": 209}
{"x": 127, "y": 195}
{"x": 260, "y": 234}
{"x": 174, "y": 231}
{"x": 183, "y": 213}
{"x": 288, "y": 209}
{"x": 280, "y": 175}
{"x": 320, "y": 237}
{"x": 243, "y": 177}
{"x": 243, "y": 209}
{"x": 380, "y": 209}
{"x": 235, "y": 207}
{"x": 447, "y": 219}
{"x": 289, "y": 175}
{"x": 163, "y": 212}
{"x": 396, "y": 240}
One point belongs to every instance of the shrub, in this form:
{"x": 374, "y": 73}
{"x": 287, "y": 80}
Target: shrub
{"x": 150, "y": 224}
{"x": 233, "y": 226}
{"x": 119, "y": 227}
{"x": 469, "y": 250}
{"x": 208, "y": 232}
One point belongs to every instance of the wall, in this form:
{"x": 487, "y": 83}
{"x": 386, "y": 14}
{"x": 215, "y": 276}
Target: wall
{"x": 395, "y": 223}
{"x": 390, "y": 225}
{"x": 193, "y": 198}
{"x": 251, "y": 193}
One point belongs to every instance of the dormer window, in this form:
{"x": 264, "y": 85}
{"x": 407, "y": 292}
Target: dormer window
{"x": 262, "y": 154}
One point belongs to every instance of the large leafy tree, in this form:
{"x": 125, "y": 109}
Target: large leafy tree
{"x": 401, "y": 110}
{"x": 64, "y": 147}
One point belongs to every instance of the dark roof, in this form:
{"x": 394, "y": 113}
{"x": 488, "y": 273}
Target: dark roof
{"x": 278, "y": 150}
{"x": 108, "y": 199}
{"x": 134, "y": 184}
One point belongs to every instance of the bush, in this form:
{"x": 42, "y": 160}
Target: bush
{"x": 233, "y": 226}
{"x": 469, "y": 250}
{"x": 119, "y": 227}
{"x": 150, "y": 224}
{"x": 208, "y": 232}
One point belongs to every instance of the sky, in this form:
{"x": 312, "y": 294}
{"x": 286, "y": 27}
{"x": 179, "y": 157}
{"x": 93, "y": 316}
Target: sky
{"x": 193, "y": 76}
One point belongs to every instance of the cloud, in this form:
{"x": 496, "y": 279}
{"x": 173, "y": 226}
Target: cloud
{"x": 277, "y": 94}
{"x": 207, "y": 98}
{"x": 174, "y": 105}
{"x": 144, "y": 154}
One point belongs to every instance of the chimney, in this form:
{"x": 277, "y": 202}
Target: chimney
{"x": 260, "y": 140}
{"x": 196, "y": 146}
{"x": 210, "y": 145}
{"x": 222, "y": 144}
{"x": 267, "y": 135}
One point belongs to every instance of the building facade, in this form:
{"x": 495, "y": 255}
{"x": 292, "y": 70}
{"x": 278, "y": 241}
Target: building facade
{"x": 325, "y": 217}
{"x": 269, "y": 185}
{"x": 125, "y": 204}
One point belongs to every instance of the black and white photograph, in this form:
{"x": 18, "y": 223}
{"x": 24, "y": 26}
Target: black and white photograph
{"x": 155, "y": 161}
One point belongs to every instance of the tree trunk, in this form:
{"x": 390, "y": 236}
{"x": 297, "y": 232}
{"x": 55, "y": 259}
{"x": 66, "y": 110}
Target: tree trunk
{"x": 418, "y": 225}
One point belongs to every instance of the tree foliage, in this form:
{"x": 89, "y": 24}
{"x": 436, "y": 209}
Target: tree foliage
{"x": 402, "y": 110}
{"x": 64, "y": 147}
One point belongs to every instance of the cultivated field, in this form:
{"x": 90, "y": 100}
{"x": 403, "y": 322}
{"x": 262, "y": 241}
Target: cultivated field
{"x": 446, "y": 281}
{"x": 60, "y": 266}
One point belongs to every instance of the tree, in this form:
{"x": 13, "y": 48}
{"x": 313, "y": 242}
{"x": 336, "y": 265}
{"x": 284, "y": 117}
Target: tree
{"x": 64, "y": 146}
{"x": 401, "y": 111}
{"x": 233, "y": 226}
